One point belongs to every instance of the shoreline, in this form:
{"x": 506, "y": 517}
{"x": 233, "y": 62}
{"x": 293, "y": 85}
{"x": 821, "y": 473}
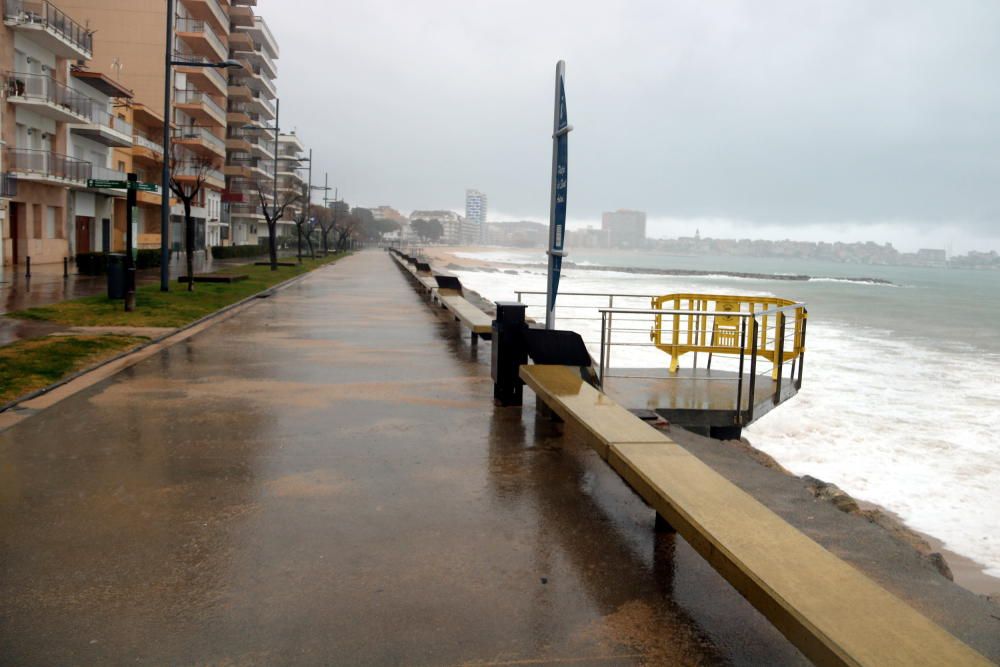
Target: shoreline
{"x": 965, "y": 572}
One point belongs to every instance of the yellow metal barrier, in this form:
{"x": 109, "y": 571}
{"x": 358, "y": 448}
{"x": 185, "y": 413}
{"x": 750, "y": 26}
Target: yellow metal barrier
{"x": 712, "y": 323}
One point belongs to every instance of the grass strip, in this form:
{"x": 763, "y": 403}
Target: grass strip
{"x": 28, "y": 365}
{"x": 175, "y": 308}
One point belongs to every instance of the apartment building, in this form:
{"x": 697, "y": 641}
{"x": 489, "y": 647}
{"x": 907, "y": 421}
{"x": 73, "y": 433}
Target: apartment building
{"x": 624, "y": 228}
{"x": 475, "y": 213}
{"x": 291, "y": 182}
{"x": 251, "y": 109}
{"x": 61, "y": 124}
{"x": 132, "y": 36}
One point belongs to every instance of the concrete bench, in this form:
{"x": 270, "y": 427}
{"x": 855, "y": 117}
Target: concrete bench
{"x": 832, "y": 612}
{"x": 478, "y": 322}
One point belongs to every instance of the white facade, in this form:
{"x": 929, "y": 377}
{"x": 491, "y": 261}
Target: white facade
{"x": 475, "y": 213}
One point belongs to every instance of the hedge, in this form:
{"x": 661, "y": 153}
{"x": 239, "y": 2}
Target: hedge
{"x": 96, "y": 263}
{"x": 230, "y": 251}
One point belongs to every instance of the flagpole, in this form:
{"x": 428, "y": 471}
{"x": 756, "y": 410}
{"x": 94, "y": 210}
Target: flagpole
{"x": 557, "y": 202}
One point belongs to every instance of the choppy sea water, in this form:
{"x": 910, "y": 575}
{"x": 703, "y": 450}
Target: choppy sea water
{"x": 900, "y": 403}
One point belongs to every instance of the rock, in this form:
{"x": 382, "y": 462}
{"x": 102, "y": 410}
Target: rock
{"x": 941, "y": 565}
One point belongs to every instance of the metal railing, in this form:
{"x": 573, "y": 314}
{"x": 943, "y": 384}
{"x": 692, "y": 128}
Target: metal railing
{"x": 46, "y": 163}
{"x": 47, "y": 15}
{"x": 210, "y": 72}
{"x": 109, "y": 120}
{"x": 141, "y": 140}
{"x": 635, "y": 329}
{"x": 46, "y": 89}
{"x": 200, "y": 27}
{"x": 201, "y": 133}
{"x": 189, "y": 96}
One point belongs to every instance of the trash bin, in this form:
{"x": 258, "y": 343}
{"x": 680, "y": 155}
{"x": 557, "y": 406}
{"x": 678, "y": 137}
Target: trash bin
{"x": 116, "y": 276}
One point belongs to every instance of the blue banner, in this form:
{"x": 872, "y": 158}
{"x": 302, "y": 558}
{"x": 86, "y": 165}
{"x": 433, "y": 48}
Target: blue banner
{"x": 559, "y": 190}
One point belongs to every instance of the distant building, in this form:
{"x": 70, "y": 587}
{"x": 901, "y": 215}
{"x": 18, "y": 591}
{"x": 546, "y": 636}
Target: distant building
{"x": 521, "y": 234}
{"x": 932, "y": 256}
{"x": 590, "y": 237}
{"x": 624, "y": 229}
{"x": 389, "y": 213}
{"x": 451, "y": 223}
{"x": 475, "y": 212}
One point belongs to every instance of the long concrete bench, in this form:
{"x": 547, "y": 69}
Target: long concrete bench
{"x": 832, "y": 612}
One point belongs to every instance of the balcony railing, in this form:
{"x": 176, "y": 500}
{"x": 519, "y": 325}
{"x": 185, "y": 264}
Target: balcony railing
{"x": 198, "y": 97}
{"x": 46, "y": 163}
{"x": 109, "y": 120}
{"x": 210, "y": 72}
{"x": 194, "y": 170}
{"x": 106, "y": 174}
{"x": 264, "y": 102}
{"x": 46, "y": 89}
{"x": 199, "y": 133}
{"x": 200, "y": 27}
{"x": 146, "y": 142}
{"x": 47, "y": 15}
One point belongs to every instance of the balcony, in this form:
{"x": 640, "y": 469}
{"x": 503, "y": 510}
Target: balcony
{"x": 238, "y": 91}
{"x": 263, "y": 106}
{"x": 47, "y": 97}
{"x": 49, "y": 27}
{"x": 240, "y": 16}
{"x": 262, "y": 148}
{"x": 208, "y": 10}
{"x": 46, "y": 167}
{"x": 208, "y": 79}
{"x": 241, "y": 42}
{"x": 147, "y": 150}
{"x": 261, "y": 83}
{"x": 201, "y": 107}
{"x": 200, "y": 141}
{"x": 245, "y": 211}
{"x": 105, "y": 128}
{"x": 201, "y": 39}
{"x": 185, "y": 172}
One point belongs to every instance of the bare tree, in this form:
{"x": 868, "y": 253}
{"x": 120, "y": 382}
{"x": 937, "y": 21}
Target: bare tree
{"x": 325, "y": 219}
{"x": 273, "y": 212}
{"x": 345, "y": 229}
{"x": 187, "y": 176}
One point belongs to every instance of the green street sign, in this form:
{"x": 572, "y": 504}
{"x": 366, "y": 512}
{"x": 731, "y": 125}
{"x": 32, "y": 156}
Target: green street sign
{"x": 106, "y": 185}
{"x": 120, "y": 185}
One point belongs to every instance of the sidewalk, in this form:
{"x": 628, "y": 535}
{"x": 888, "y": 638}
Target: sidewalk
{"x": 323, "y": 479}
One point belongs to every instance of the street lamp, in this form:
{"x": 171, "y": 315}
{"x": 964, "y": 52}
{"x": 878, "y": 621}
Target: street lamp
{"x": 309, "y": 188}
{"x": 168, "y": 63}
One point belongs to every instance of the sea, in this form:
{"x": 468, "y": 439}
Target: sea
{"x": 900, "y": 402}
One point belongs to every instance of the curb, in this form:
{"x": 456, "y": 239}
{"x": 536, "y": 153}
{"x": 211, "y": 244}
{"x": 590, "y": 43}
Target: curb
{"x": 163, "y": 339}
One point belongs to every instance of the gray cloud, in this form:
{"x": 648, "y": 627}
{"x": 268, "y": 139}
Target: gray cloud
{"x": 782, "y": 113}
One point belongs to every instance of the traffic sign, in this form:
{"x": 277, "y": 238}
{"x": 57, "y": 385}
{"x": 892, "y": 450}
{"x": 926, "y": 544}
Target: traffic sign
{"x": 120, "y": 185}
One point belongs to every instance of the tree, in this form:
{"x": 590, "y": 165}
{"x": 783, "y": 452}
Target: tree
{"x": 345, "y": 229}
{"x": 187, "y": 176}
{"x": 324, "y": 221}
{"x": 273, "y": 212}
{"x": 428, "y": 230}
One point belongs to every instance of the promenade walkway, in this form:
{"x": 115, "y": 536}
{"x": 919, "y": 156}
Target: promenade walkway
{"x": 322, "y": 479}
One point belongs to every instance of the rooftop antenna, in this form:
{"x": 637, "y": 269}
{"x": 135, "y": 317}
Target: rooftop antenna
{"x": 117, "y": 65}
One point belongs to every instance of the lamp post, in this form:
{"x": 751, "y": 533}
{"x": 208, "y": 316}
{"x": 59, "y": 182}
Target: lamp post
{"x": 168, "y": 63}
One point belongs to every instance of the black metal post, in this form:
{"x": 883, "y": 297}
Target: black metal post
{"x": 27, "y": 266}
{"x": 780, "y": 352}
{"x": 168, "y": 53}
{"x": 751, "y": 390}
{"x": 130, "y": 203}
{"x": 739, "y": 381}
{"x": 65, "y": 267}
{"x": 509, "y": 353}
{"x": 802, "y": 348}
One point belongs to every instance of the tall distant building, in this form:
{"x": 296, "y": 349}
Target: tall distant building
{"x": 475, "y": 212}
{"x": 624, "y": 229}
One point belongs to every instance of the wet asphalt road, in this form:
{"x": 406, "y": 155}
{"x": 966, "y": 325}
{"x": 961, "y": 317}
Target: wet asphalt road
{"x": 322, "y": 479}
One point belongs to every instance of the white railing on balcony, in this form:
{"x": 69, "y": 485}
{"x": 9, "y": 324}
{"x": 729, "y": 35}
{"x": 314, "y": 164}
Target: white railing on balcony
{"x": 211, "y": 72}
{"x": 109, "y": 120}
{"x": 197, "y": 97}
{"x": 199, "y": 133}
{"x": 46, "y": 163}
{"x": 46, "y": 89}
{"x": 145, "y": 142}
{"x": 45, "y": 14}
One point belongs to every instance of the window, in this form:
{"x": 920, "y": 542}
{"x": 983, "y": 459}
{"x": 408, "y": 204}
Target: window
{"x": 50, "y": 222}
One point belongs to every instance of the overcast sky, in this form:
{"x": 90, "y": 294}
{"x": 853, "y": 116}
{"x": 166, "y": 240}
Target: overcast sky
{"x": 839, "y": 119}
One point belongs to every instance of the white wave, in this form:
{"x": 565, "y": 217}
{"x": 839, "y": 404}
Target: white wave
{"x": 907, "y": 425}
{"x": 854, "y": 281}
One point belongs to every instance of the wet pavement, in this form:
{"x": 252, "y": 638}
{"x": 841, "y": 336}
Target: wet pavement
{"x": 47, "y": 283}
{"x": 322, "y": 479}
